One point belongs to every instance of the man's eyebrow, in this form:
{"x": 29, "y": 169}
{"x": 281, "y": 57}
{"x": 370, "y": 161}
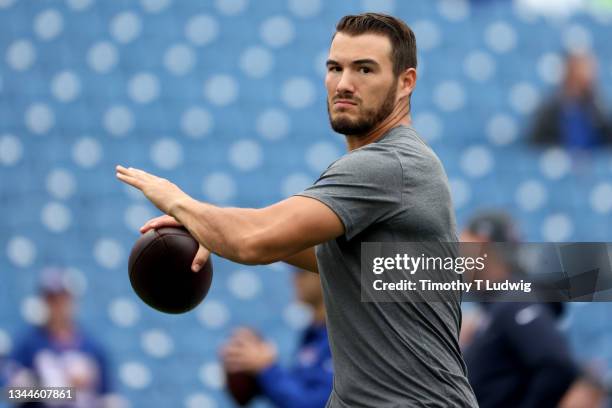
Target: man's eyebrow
{"x": 356, "y": 62}
{"x": 365, "y": 61}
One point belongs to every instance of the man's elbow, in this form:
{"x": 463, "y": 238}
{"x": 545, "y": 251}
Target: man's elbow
{"x": 252, "y": 252}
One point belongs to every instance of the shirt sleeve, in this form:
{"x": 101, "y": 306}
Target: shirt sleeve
{"x": 362, "y": 188}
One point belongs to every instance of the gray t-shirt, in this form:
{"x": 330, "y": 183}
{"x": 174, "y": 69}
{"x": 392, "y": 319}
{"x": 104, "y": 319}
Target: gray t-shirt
{"x": 389, "y": 354}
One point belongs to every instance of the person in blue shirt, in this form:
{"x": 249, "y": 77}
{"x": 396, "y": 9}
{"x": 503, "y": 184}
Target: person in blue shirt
{"x": 59, "y": 353}
{"x": 308, "y": 382}
{"x": 574, "y": 116}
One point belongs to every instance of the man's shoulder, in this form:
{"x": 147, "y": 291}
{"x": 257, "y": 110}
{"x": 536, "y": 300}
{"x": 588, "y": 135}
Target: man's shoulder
{"x": 29, "y": 341}
{"x": 372, "y": 156}
{"x": 33, "y": 335}
{"x": 400, "y": 153}
{"x": 405, "y": 135}
{"x": 409, "y": 146}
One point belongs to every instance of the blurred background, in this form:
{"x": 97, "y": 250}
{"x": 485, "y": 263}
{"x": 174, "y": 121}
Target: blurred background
{"x": 226, "y": 99}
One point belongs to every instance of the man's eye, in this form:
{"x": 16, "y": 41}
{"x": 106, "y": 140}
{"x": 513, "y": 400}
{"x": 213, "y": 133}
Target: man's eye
{"x": 334, "y": 68}
{"x": 365, "y": 70}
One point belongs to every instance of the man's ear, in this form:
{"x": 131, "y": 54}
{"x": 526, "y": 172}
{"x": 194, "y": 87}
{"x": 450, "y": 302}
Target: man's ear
{"x": 406, "y": 83}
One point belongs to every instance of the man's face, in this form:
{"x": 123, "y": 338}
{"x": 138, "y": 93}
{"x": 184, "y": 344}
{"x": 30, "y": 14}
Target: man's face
{"x": 361, "y": 85}
{"x": 60, "y": 306}
{"x": 581, "y": 71}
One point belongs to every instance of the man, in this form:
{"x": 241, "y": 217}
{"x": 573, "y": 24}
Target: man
{"x": 308, "y": 382}
{"x": 574, "y": 117}
{"x": 60, "y": 354}
{"x": 517, "y": 356}
{"x": 390, "y": 187}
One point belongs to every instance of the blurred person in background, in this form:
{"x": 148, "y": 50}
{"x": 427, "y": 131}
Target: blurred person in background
{"x": 308, "y": 382}
{"x": 574, "y": 116}
{"x": 59, "y": 353}
{"x": 516, "y": 354}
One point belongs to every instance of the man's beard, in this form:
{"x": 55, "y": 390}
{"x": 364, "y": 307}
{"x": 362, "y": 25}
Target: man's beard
{"x": 368, "y": 119}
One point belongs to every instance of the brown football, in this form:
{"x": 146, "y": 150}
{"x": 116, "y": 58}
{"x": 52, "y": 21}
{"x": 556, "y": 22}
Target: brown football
{"x": 160, "y": 272}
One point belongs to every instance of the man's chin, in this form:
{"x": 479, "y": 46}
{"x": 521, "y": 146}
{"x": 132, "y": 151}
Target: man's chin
{"x": 345, "y": 126}
{"x": 342, "y": 117}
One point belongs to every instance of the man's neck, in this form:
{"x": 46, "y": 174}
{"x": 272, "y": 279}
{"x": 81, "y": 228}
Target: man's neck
{"x": 399, "y": 117}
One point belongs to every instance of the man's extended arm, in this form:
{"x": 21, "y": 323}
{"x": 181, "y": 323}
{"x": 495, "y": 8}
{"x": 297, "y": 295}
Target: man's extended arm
{"x": 284, "y": 231}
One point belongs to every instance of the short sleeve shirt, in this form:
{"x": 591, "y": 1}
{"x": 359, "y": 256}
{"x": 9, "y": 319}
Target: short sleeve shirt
{"x": 389, "y": 354}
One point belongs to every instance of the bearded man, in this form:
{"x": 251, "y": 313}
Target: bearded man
{"x": 389, "y": 187}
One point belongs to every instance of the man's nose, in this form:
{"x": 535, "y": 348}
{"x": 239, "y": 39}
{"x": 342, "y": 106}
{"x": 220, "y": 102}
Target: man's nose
{"x": 345, "y": 85}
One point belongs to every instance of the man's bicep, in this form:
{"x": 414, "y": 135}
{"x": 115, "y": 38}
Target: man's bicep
{"x": 307, "y": 221}
{"x": 296, "y": 224}
{"x": 362, "y": 188}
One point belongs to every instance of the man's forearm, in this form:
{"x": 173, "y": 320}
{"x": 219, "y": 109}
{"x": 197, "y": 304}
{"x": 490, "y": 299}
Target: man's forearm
{"x": 227, "y": 232}
{"x": 242, "y": 235}
{"x": 284, "y": 231}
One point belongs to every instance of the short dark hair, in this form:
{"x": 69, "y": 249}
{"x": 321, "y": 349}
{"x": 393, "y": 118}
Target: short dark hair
{"x": 403, "y": 40}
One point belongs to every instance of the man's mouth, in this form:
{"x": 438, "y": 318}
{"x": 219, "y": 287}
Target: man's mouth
{"x": 344, "y": 103}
